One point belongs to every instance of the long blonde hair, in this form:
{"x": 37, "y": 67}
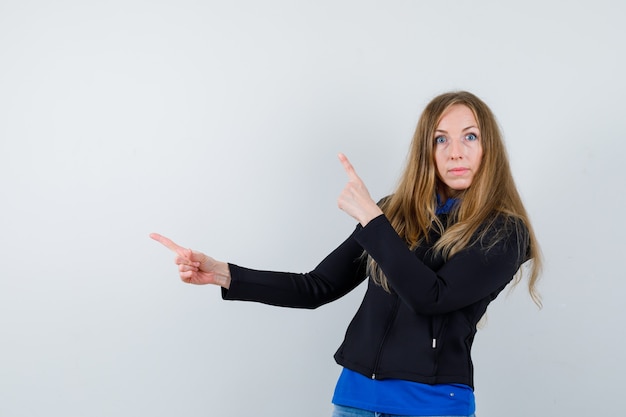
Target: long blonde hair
{"x": 411, "y": 208}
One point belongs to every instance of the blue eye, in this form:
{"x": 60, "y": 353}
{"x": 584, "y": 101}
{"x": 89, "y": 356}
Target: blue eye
{"x": 471, "y": 137}
{"x": 440, "y": 139}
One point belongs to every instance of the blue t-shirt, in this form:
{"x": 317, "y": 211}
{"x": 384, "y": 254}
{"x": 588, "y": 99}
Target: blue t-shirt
{"x": 395, "y": 396}
{"x": 445, "y": 208}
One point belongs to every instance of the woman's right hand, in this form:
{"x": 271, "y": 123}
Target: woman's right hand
{"x": 196, "y": 267}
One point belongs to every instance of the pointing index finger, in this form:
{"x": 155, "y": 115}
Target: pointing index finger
{"x": 168, "y": 243}
{"x": 347, "y": 166}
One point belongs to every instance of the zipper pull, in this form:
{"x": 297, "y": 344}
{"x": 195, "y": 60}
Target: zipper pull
{"x": 373, "y": 376}
{"x": 434, "y": 343}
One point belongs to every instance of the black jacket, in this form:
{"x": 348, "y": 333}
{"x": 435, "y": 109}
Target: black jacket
{"x": 423, "y": 330}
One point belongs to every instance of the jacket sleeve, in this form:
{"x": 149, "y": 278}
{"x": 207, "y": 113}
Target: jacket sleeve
{"x": 339, "y": 273}
{"x": 472, "y": 274}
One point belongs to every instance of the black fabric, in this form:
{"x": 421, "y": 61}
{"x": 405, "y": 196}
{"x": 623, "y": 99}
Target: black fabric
{"x": 424, "y": 328}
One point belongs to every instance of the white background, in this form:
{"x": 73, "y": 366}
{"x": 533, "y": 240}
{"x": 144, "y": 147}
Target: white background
{"x": 217, "y": 123}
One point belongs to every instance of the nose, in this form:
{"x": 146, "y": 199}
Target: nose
{"x": 455, "y": 149}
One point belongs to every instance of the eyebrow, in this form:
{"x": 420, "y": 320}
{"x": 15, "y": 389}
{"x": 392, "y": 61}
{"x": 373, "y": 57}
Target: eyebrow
{"x": 467, "y": 128}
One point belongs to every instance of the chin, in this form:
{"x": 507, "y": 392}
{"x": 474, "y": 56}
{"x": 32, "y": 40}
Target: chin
{"x": 454, "y": 188}
{"x": 458, "y": 187}
{"x": 454, "y": 192}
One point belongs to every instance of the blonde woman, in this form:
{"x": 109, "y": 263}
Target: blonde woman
{"x": 435, "y": 253}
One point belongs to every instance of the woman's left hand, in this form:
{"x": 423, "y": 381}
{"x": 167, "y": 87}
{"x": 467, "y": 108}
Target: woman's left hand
{"x": 355, "y": 199}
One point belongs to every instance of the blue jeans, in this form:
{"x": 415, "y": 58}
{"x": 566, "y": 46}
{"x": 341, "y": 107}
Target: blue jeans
{"x": 341, "y": 411}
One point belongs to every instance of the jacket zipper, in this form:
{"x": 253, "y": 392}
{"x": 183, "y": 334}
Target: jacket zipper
{"x": 437, "y": 325}
{"x": 392, "y": 318}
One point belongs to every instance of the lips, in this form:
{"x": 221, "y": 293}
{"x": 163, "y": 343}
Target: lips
{"x": 458, "y": 171}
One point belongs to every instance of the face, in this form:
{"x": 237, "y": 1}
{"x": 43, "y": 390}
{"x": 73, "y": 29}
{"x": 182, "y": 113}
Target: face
{"x": 458, "y": 149}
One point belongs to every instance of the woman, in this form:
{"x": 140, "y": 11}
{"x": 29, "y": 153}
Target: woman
{"x": 435, "y": 253}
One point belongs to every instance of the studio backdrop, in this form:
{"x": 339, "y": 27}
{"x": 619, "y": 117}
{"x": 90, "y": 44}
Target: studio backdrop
{"x": 217, "y": 124}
